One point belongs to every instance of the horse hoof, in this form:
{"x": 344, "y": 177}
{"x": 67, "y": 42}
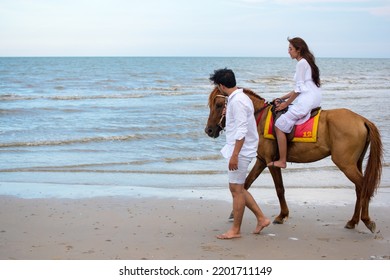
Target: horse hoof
{"x": 278, "y": 222}
{"x": 350, "y": 225}
{"x": 371, "y": 226}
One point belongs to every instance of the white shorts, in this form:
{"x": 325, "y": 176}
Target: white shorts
{"x": 238, "y": 176}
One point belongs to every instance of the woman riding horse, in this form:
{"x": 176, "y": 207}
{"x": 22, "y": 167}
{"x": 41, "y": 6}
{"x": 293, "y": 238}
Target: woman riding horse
{"x": 342, "y": 134}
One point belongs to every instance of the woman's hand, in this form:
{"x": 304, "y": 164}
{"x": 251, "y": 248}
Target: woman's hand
{"x": 281, "y": 106}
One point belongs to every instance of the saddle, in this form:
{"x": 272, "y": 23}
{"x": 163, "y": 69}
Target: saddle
{"x": 277, "y": 114}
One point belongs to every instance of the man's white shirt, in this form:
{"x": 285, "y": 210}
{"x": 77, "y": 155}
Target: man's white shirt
{"x": 240, "y": 123}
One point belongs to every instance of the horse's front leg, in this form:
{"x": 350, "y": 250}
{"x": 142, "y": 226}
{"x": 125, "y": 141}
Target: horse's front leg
{"x": 279, "y": 187}
{"x": 252, "y": 176}
{"x": 254, "y": 173}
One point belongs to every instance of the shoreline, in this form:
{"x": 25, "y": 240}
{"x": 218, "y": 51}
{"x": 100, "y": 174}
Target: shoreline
{"x": 169, "y": 228}
{"x": 317, "y": 195}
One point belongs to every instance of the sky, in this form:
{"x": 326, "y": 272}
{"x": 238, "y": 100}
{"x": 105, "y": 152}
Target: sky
{"x": 242, "y": 28}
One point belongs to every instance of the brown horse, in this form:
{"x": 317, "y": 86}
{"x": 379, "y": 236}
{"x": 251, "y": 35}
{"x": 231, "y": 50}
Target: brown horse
{"x": 342, "y": 134}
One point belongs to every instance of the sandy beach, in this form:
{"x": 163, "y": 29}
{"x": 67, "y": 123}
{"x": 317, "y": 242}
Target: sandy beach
{"x": 149, "y": 228}
{"x": 107, "y": 158}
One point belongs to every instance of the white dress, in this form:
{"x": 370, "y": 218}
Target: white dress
{"x": 309, "y": 97}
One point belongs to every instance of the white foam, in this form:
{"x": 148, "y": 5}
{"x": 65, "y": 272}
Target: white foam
{"x": 301, "y": 196}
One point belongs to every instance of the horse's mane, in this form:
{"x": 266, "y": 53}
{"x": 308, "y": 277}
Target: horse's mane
{"x": 247, "y": 91}
{"x": 252, "y": 93}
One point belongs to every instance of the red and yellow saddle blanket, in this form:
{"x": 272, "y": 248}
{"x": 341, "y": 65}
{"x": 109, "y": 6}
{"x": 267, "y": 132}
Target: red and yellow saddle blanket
{"x": 306, "y": 132}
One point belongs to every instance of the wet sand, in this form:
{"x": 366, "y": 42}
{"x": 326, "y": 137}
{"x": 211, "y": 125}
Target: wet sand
{"x": 172, "y": 229}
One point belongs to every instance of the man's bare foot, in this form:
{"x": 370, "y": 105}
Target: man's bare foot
{"x": 260, "y": 225}
{"x": 277, "y": 163}
{"x": 228, "y": 235}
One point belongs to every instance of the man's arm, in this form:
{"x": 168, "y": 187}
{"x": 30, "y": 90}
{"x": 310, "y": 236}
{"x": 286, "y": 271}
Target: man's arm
{"x": 233, "y": 163}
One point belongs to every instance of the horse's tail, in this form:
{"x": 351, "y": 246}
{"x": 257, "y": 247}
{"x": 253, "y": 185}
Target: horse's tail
{"x": 373, "y": 172}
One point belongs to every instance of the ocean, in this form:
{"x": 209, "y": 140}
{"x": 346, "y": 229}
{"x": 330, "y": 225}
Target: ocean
{"x": 90, "y": 126}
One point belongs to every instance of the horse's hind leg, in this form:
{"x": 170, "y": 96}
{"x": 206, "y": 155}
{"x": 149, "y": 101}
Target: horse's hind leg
{"x": 356, "y": 214}
{"x": 354, "y": 174}
{"x": 365, "y": 215}
{"x": 365, "y": 201}
{"x": 361, "y": 206}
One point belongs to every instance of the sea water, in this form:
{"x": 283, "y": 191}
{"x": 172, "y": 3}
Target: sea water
{"x": 109, "y": 125}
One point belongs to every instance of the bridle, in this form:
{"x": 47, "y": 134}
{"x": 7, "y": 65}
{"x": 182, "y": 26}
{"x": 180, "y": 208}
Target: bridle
{"x": 260, "y": 111}
{"x": 223, "y": 115}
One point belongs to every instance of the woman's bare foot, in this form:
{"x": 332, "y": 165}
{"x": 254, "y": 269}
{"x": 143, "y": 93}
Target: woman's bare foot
{"x": 260, "y": 225}
{"x": 228, "y": 235}
{"x": 277, "y": 163}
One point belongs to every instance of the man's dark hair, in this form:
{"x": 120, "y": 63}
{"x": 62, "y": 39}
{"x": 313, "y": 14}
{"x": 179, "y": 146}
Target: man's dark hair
{"x": 225, "y": 77}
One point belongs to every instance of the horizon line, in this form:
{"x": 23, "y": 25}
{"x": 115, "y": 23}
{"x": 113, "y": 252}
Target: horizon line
{"x": 173, "y": 56}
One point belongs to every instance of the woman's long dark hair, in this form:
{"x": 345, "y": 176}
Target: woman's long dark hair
{"x": 301, "y": 46}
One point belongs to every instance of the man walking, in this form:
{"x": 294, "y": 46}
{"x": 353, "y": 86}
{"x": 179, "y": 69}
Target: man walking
{"x": 241, "y": 147}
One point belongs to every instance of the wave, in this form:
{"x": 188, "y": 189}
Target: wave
{"x": 165, "y": 172}
{"x": 96, "y": 139}
{"x": 139, "y": 94}
{"x": 70, "y": 141}
{"x": 272, "y": 83}
{"x": 15, "y": 97}
{"x": 18, "y": 97}
{"x": 107, "y": 167}
{"x": 270, "y": 80}
{"x": 112, "y": 167}
{"x": 84, "y": 169}
{"x": 94, "y": 97}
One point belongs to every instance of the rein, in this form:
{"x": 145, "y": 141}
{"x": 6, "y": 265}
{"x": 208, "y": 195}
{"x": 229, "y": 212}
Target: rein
{"x": 261, "y": 112}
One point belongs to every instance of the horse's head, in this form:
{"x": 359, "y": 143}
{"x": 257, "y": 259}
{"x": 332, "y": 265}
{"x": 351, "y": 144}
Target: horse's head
{"x": 216, "y": 121}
